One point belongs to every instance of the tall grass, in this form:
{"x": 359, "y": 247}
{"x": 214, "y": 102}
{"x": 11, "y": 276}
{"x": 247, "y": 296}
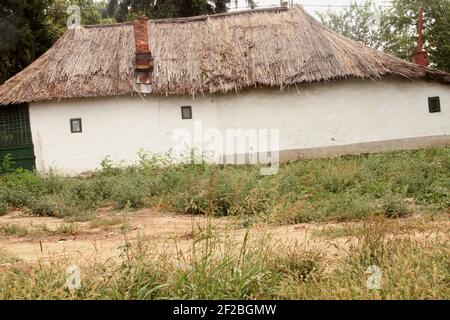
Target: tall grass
{"x": 219, "y": 267}
{"x": 389, "y": 184}
{"x": 411, "y": 268}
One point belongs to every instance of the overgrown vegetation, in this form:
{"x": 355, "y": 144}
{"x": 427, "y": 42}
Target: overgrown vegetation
{"x": 218, "y": 267}
{"x": 36, "y": 231}
{"x": 13, "y": 230}
{"x": 353, "y": 187}
{"x": 106, "y": 223}
{"x": 6, "y": 258}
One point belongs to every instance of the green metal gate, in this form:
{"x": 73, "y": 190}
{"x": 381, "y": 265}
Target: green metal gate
{"x": 15, "y": 136}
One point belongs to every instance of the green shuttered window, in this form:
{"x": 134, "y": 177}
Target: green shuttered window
{"x": 15, "y": 136}
{"x": 14, "y": 126}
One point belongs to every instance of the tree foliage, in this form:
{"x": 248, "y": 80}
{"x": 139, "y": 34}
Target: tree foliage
{"x": 29, "y": 27}
{"x": 124, "y": 10}
{"x": 358, "y": 22}
{"x": 394, "y": 29}
{"x": 400, "y": 29}
{"x": 25, "y": 34}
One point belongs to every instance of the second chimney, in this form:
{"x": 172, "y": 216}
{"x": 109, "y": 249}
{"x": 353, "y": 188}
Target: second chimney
{"x": 420, "y": 57}
{"x": 143, "y": 57}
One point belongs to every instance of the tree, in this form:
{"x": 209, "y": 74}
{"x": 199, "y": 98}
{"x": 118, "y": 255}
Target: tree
{"x": 91, "y": 12}
{"x": 29, "y": 27}
{"x": 358, "y": 22}
{"x": 24, "y": 34}
{"x": 220, "y": 6}
{"x": 400, "y": 30}
{"x": 394, "y": 29}
{"x": 131, "y": 9}
{"x": 111, "y": 8}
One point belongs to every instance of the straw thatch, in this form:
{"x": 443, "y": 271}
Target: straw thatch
{"x": 204, "y": 55}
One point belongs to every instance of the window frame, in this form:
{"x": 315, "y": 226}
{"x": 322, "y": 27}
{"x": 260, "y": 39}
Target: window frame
{"x": 434, "y": 104}
{"x": 183, "y": 108}
{"x": 72, "y": 121}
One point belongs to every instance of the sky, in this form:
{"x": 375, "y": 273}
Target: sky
{"x": 312, "y": 6}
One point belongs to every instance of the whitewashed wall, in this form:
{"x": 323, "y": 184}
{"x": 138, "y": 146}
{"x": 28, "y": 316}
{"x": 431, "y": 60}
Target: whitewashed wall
{"x": 318, "y": 115}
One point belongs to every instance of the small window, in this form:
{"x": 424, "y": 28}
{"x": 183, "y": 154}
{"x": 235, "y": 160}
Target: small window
{"x": 186, "y": 112}
{"x": 434, "y": 104}
{"x": 75, "y": 125}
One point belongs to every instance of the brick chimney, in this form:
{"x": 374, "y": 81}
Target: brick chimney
{"x": 143, "y": 56}
{"x": 421, "y": 55}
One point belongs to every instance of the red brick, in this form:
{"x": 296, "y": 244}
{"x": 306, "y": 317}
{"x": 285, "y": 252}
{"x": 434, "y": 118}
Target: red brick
{"x": 141, "y": 35}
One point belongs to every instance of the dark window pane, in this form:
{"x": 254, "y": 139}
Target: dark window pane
{"x": 434, "y": 104}
{"x": 186, "y": 112}
{"x": 75, "y": 125}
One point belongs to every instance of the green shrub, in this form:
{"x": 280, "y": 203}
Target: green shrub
{"x": 27, "y": 181}
{"x": 6, "y": 164}
{"x": 3, "y": 208}
{"x": 308, "y": 190}
{"x": 393, "y": 205}
{"x": 13, "y": 230}
{"x": 344, "y": 206}
{"x": 130, "y": 191}
{"x": 43, "y": 206}
{"x": 20, "y": 186}
{"x": 54, "y": 183}
{"x": 340, "y": 177}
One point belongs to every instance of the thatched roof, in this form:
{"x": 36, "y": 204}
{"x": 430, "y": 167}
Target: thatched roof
{"x": 202, "y": 55}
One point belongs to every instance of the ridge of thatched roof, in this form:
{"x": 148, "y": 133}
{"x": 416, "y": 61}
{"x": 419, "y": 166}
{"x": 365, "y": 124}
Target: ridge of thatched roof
{"x": 205, "y": 55}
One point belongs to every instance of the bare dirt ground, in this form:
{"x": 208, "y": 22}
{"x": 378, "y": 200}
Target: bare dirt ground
{"x": 33, "y": 239}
